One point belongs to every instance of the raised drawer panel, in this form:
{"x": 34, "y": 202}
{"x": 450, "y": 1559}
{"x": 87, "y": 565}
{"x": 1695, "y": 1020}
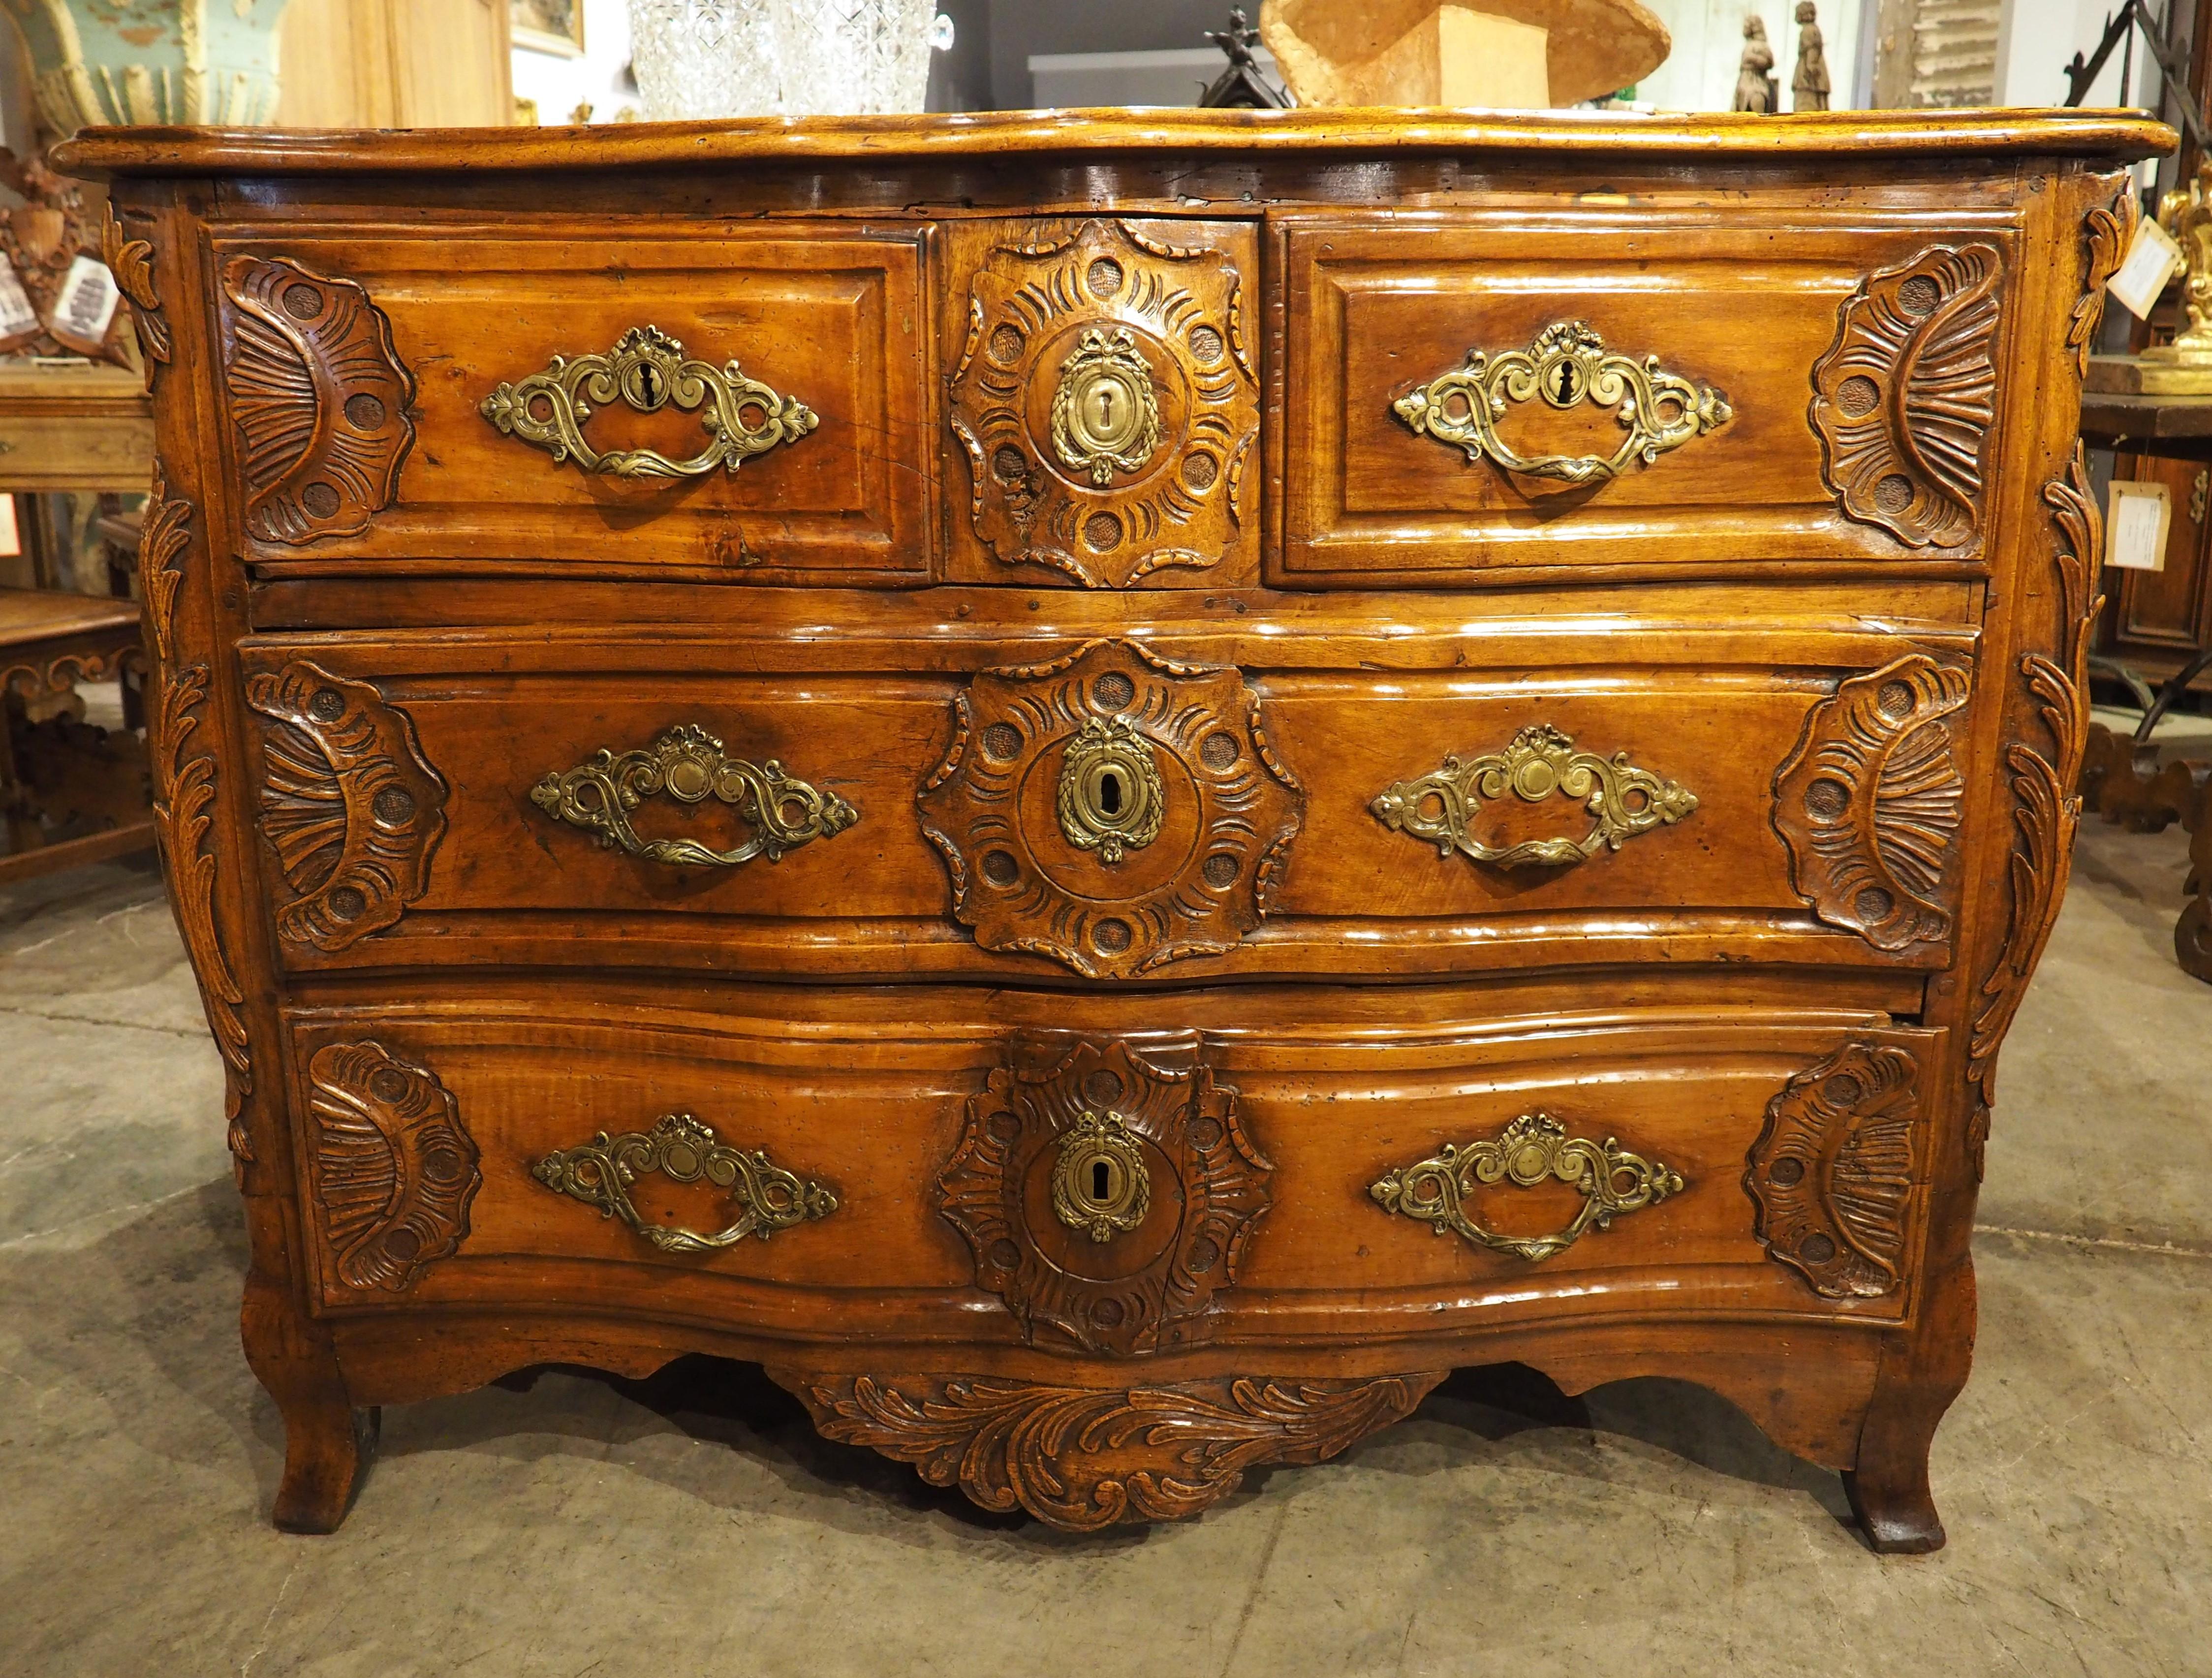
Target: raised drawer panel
{"x": 1471, "y": 397}
{"x": 400, "y": 400}
{"x": 898, "y": 1167}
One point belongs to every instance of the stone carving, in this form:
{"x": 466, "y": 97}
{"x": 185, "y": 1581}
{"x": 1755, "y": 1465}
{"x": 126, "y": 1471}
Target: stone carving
{"x": 393, "y": 1170}
{"x": 1905, "y": 398}
{"x": 1869, "y": 803}
{"x": 348, "y": 803}
{"x": 1080, "y": 1458}
{"x": 1831, "y": 1175}
{"x": 318, "y": 398}
{"x": 1107, "y": 404}
{"x": 1154, "y": 1185}
{"x": 1112, "y": 810}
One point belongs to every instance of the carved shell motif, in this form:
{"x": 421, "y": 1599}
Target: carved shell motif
{"x": 1904, "y": 398}
{"x": 393, "y": 1170}
{"x": 1831, "y": 1175}
{"x": 319, "y": 397}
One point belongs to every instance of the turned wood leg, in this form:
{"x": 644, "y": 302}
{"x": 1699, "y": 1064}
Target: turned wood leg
{"x": 327, "y": 1443}
{"x": 1919, "y": 1378}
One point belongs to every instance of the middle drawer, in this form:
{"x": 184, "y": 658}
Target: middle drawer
{"x": 1217, "y": 804}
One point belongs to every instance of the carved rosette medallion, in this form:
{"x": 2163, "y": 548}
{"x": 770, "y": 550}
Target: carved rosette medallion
{"x": 1106, "y": 1190}
{"x": 348, "y": 803}
{"x": 1107, "y": 402}
{"x": 1081, "y": 1458}
{"x": 391, "y": 1167}
{"x": 1904, "y": 398}
{"x": 1831, "y": 1175}
{"x": 319, "y": 397}
{"x": 1869, "y": 803}
{"x": 1111, "y": 810}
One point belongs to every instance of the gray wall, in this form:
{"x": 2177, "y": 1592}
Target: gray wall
{"x": 989, "y": 67}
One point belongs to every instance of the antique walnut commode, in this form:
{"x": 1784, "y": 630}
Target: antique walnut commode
{"x": 1111, "y": 787}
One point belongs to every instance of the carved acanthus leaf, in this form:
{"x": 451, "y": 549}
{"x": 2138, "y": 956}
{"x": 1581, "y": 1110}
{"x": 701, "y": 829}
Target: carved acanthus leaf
{"x": 2107, "y": 232}
{"x": 393, "y": 1170}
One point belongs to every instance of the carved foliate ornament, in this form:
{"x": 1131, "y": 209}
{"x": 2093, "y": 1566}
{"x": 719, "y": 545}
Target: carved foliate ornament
{"x": 1107, "y": 402}
{"x": 1904, "y": 398}
{"x": 318, "y": 398}
{"x": 349, "y": 804}
{"x": 392, "y": 1168}
{"x": 132, "y": 261}
{"x": 1831, "y": 1175}
{"x": 1106, "y": 1190}
{"x": 1112, "y": 810}
{"x": 1869, "y": 803}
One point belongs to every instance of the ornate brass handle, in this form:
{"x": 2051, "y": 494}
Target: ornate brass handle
{"x": 1622, "y": 800}
{"x": 1533, "y": 1147}
{"x": 600, "y": 1173}
{"x": 1567, "y": 365}
{"x": 648, "y": 370}
{"x": 687, "y": 763}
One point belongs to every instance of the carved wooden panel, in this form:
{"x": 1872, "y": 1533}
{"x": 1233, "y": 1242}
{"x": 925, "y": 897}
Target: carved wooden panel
{"x": 1106, "y": 1190}
{"x": 392, "y": 1168}
{"x": 1112, "y": 810}
{"x": 1869, "y": 803}
{"x": 1904, "y": 400}
{"x": 318, "y": 398}
{"x": 1831, "y": 1175}
{"x": 348, "y": 803}
{"x": 1080, "y": 1458}
{"x": 1107, "y": 401}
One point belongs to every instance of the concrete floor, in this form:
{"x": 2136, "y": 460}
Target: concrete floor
{"x": 695, "y": 1524}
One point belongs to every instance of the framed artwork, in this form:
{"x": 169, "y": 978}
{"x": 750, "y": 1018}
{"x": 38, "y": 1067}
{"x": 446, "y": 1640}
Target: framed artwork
{"x": 549, "y": 25}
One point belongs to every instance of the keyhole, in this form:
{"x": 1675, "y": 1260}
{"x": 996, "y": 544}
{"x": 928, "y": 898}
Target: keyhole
{"x": 1098, "y": 1181}
{"x": 1566, "y": 381}
{"x": 1109, "y": 794}
{"x": 1106, "y": 408}
{"x": 647, "y": 386}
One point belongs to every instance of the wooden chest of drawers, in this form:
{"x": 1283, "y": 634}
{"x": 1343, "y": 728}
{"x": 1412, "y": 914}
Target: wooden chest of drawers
{"x": 1110, "y": 788}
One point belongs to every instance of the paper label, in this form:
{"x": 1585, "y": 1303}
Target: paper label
{"x": 18, "y": 319}
{"x": 85, "y": 305}
{"x": 2136, "y": 522}
{"x": 2153, "y": 259}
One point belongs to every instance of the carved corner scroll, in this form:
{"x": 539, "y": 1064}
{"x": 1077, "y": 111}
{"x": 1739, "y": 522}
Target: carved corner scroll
{"x": 1566, "y": 365}
{"x": 392, "y": 1168}
{"x": 1831, "y": 1175}
{"x": 348, "y": 803}
{"x": 1869, "y": 803}
{"x": 1153, "y": 1190}
{"x": 765, "y": 1197}
{"x": 1107, "y": 404}
{"x": 319, "y": 397}
{"x": 1081, "y": 1458}
{"x": 1904, "y": 400}
{"x": 132, "y": 262}
{"x": 2106, "y": 232}
{"x": 1621, "y": 800}
{"x": 1112, "y": 810}
{"x": 183, "y": 775}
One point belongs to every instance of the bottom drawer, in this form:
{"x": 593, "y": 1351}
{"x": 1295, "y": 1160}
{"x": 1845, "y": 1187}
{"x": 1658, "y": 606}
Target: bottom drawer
{"x": 1116, "y": 1177}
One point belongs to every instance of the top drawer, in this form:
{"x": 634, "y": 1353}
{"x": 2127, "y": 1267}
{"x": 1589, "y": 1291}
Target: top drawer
{"x": 1469, "y": 393}
{"x": 717, "y": 402}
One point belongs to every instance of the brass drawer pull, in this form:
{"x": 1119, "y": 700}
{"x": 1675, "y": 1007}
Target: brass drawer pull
{"x": 1567, "y": 365}
{"x": 1533, "y": 1147}
{"x": 648, "y": 370}
{"x": 687, "y": 763}
{"x": 600, "y": 1173}
{"x": 1621, "y": 799}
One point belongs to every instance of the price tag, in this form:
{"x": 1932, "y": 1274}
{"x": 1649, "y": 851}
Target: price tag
{"x": 18, "y": 319}
{"x": 2153, "y": 259}
{"x": 2136, "y": 517}
{"x": 84, "y": 306}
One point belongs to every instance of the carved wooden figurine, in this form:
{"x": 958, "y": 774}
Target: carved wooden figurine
{"x": 1809, "y": 82}
{"x": 1755, "y": 89}
{"x": 1112, "y": 831}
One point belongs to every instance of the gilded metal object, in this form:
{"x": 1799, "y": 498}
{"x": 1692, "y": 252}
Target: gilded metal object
{"x": 648, "y": 370}
{"x": 1621, "y": 799}
{"x": 1567, "y": 365}
{"x": 687, "y": 763}
{"x": 1534, "y": 1147}
{"x": 1105, "y": 414}
{"x": 1099, "y": 1183}
{"x": 1111, "y": 799}
{"x": 600, "y": 1173}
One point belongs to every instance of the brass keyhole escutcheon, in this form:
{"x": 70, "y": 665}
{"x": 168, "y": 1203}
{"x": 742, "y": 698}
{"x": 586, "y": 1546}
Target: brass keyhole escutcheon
{"x": 1111, "y": 798}
{"x": 1106, "y": 413}
{"x": 1099, "y": 1183}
